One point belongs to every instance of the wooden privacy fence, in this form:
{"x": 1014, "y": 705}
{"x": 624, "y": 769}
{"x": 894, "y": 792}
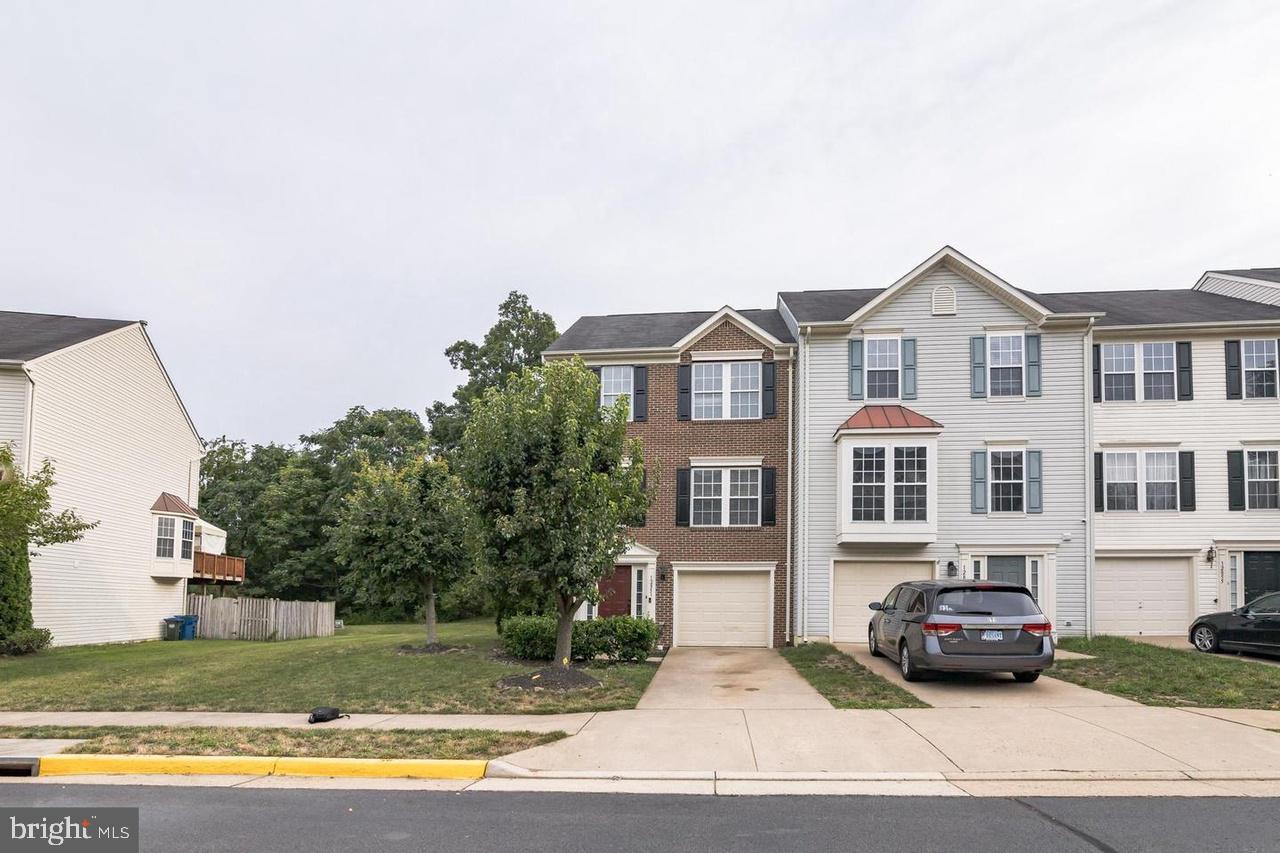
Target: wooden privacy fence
{"x": 227, "y": 618}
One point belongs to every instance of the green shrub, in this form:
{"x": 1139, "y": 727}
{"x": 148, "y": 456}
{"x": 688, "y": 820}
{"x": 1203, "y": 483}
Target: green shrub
{"x": 591, "y": 639}
{"x": 529, "y": 637}
{"x": 15, "y": 588}
{"x": 26, "y": 641}
{"x": 631, "y": 638}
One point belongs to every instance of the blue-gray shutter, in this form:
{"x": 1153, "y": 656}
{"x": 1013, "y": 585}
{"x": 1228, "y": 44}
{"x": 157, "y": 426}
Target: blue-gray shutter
{"x": 684, "y": 392}
{"x": 1035, "y": 482}
{"x": 908, "y": 390}
{"x": 978, "y": 482}
{"x": 978, "y": 366}
{"x": 640, "y": 393}
{"x": 1033, "y": 365}
{"x": 1185, "y": 389}
{"x": 1235, "y": 481}
{"x": 769, "y": 389}
{"x": 1235, "y": 382}
{"x": 855, "y": 369}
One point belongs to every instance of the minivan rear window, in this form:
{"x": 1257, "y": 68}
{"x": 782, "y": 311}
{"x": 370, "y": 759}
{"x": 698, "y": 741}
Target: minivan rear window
{"x": 986, "y": 602}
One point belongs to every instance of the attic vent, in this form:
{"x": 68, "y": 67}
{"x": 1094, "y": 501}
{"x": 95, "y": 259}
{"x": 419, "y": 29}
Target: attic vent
{"x": 944, "y": 300}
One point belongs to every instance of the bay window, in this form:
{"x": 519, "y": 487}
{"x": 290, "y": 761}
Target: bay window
{"x": 165, "y": 527}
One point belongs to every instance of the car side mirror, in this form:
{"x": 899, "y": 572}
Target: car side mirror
{"x": 875, "y": 605}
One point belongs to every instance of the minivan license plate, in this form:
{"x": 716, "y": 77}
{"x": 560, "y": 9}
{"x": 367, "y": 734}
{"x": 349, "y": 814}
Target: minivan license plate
{"x": 993, "y": 636}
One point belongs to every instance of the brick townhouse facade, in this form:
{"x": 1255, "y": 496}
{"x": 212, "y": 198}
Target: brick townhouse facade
{"x": 711, "y": 403}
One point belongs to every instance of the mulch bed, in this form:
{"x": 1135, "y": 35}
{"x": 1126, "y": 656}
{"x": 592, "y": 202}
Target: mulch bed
{"x": 550, "y": 678}
{"x": 430, "y": 649}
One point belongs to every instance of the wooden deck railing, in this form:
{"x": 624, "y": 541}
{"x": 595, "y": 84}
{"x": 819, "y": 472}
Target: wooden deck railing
{"x": 218, "y": 568}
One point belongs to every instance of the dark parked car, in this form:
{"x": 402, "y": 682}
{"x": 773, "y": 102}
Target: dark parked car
{"x": 962, "y": 626}
{"x": 1252, "y": 628}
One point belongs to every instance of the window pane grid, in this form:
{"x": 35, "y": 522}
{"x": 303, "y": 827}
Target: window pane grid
{"x": 1263, "y": 475}
{"x": 1259, "y": 368}
{"x": 1007, "y": 481}
{"x": 1158, "y": 371}
{"x": 868, "y": 484}
{"x": 1118, "y": 372}
{"x": 707, "y": 496}
{"x": 1121, "y": 472}
{"x": 744, "y": 389}
{"x": 1162, "y": 481}
{"x": 744, "y": 496}
{"x": 910, "y": 492}
{"x": 1006, "y": 365}
{"x": 614, "y": 382}
{"x": 164, "y": 537}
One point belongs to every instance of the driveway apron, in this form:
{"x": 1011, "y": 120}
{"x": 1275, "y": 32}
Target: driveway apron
{"x": 744, "y": 679}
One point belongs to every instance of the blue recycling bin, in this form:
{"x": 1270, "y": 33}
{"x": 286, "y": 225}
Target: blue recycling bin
{"x": 189, "y": 627}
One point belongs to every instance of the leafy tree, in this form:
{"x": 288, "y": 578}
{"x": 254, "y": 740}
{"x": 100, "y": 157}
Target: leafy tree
{"x": 26, "y": 521}
{"x": 553, "y": 481}
{"x": 233, "y": 478}
{"x": 516, "y": 341}
{"x": 401, "y": 533}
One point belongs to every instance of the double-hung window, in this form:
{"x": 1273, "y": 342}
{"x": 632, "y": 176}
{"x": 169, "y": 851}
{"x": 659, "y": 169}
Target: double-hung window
{"x": 1121, "y": 473}
{"x": 1006, "y": 359}
{"x": 1146, "y": 480}
{"x": 188, "y": 537}
{"x": 165, "y": 527}
{"x": 883, "y": 368}
{"x": 728, "y": 389}
{"x": 1008, "y": 481}
{"x": 1160, "y": 470}
{"x": 1259, "y": 368}
{"x": 1119, "y": 368}
{"x": 874, "y": 475}
{"x": 1158, "y": 363}
{"x": 725, "y": 497}
{"x": 1262, "y": 477}
{"x": 615, "y": 381}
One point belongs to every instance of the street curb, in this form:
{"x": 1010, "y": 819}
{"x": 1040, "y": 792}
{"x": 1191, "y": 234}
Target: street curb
{"x": 253, "y": 765}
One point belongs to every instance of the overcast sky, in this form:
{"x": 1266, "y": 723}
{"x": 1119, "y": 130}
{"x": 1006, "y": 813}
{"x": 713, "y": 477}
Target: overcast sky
{"x": 309, "y": 201}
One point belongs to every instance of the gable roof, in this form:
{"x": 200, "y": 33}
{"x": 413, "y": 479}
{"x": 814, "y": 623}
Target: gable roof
{"x": 887, "y": 417}
{"x": 654, "y": 331}
{"x": 1159, "y": 307}
{"x": 173, "y": 505}
{"x": 1271, "y": 274}
{"x": 24, "y": 336}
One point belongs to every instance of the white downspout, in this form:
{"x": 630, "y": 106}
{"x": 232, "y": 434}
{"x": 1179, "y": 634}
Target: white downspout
{"x": 1088, "y": 480}
{"x": 804, "y": 488}
{"x": 791, "y": 503}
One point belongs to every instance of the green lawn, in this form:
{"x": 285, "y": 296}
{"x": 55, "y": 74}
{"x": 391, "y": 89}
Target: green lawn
{"x": 844, "y": 682}
{"x": 1158, "y": 676}
{"x": 302, "y": 743}
{"x": 358, "y": 670}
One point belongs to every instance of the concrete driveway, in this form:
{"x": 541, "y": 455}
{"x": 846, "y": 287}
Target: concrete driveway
{"x": 702, "y": 678}
{"x": 987, "y": 690}
{"x": 1181, "y": 644}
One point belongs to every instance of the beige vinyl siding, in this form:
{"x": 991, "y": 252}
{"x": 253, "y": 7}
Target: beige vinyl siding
{"x": 1210, "y": 425}
{"x": 105, "y": 415}
{"x": 1253, "y": 291}
{"x": 1052, "y": 424}
{"x": 13, "y": 411}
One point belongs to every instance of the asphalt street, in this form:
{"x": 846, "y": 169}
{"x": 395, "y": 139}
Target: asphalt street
{"x": 284, "y": 821}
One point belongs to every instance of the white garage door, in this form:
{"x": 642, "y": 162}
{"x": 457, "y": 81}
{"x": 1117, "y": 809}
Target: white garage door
{"x": 855, "y": 585}
{"x": 722, "y": 608}
{"x": 1141, "y": 595}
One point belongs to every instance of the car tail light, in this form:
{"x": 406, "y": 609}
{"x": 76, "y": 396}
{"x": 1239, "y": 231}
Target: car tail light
{"x": 939, "y": 629}
{"x": 1038, "y": 629}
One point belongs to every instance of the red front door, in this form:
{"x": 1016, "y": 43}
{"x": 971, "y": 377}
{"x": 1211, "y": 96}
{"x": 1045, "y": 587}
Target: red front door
{"x": 615, "y": 593}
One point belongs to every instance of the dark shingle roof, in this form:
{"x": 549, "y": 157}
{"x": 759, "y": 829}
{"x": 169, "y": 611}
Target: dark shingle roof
{"x": 817, "y": 306}
{"x": 1271, "y": 274}
{"x": 26, "y": 336}
{"x": 1158, "y": 307}
{"x": 648, "y": 331}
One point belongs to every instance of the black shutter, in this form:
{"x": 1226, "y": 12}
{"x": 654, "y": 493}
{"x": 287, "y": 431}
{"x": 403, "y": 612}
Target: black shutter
{"x": 769, "y": 496}
{"x": 1099, "y": 494}
{"x": 1186, "y": 480}
{"x": 1235, "y": 479}
{"x": 682, "y": 497}
{"x": 1235, "y": 385}
{"x": 640, "y": 393}
{"x": 1185, "y": 391}
{"x": 1097, "y": 373}
{"x": 768, "y": 392}
{"x": 684, "y": 396}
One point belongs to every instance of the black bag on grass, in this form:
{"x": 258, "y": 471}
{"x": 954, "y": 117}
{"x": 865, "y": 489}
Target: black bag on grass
{"x": 325, "y": 715}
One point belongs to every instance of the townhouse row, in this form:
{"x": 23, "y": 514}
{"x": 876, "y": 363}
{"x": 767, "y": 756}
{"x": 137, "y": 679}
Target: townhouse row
{"x": 1116, "y": 452}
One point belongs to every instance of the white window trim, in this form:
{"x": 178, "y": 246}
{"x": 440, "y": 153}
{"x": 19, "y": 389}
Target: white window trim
{"x": 174, "y": 538}
{"x": 1244, "y": 371}
{"x": 1141, "y": 453}
{"x": 890, "y": 481}
{"x": 991, "y": 480}
{"x": 726, "y": 393}
{"x": 182, "y": 538}
{"x": 725, "y": 496}
{"x": 1248, "y": 504}
{"x": 1140, "y": 371}
{"x": 866, "y": 368}
{"x": 631, "y": 385}
{"x": 991, "y": 365}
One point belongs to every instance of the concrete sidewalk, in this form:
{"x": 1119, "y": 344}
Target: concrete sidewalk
{"x": 567, "y": 723}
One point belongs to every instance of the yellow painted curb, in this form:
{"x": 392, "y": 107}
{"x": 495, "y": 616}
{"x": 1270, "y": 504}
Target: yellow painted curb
{"x": 411, "y": 768}
{"x": 75, "y": 765}
{"x": 255, "y": 765}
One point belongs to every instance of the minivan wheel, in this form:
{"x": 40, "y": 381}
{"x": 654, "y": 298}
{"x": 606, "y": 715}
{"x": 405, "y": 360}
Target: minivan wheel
{"x": 1025, "y": 677}
{"x": 871, "y": 643}
{"x": 908, "y": 667}
{"x": 1205, "y": 638}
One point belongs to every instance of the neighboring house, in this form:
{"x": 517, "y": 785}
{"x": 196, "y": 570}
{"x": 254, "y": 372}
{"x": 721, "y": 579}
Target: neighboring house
{"x": 710, "y": 398}
{"x": 1186, "y": 449}
{"x": 93, "y": 397}
{"x": 940, "y": 432}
